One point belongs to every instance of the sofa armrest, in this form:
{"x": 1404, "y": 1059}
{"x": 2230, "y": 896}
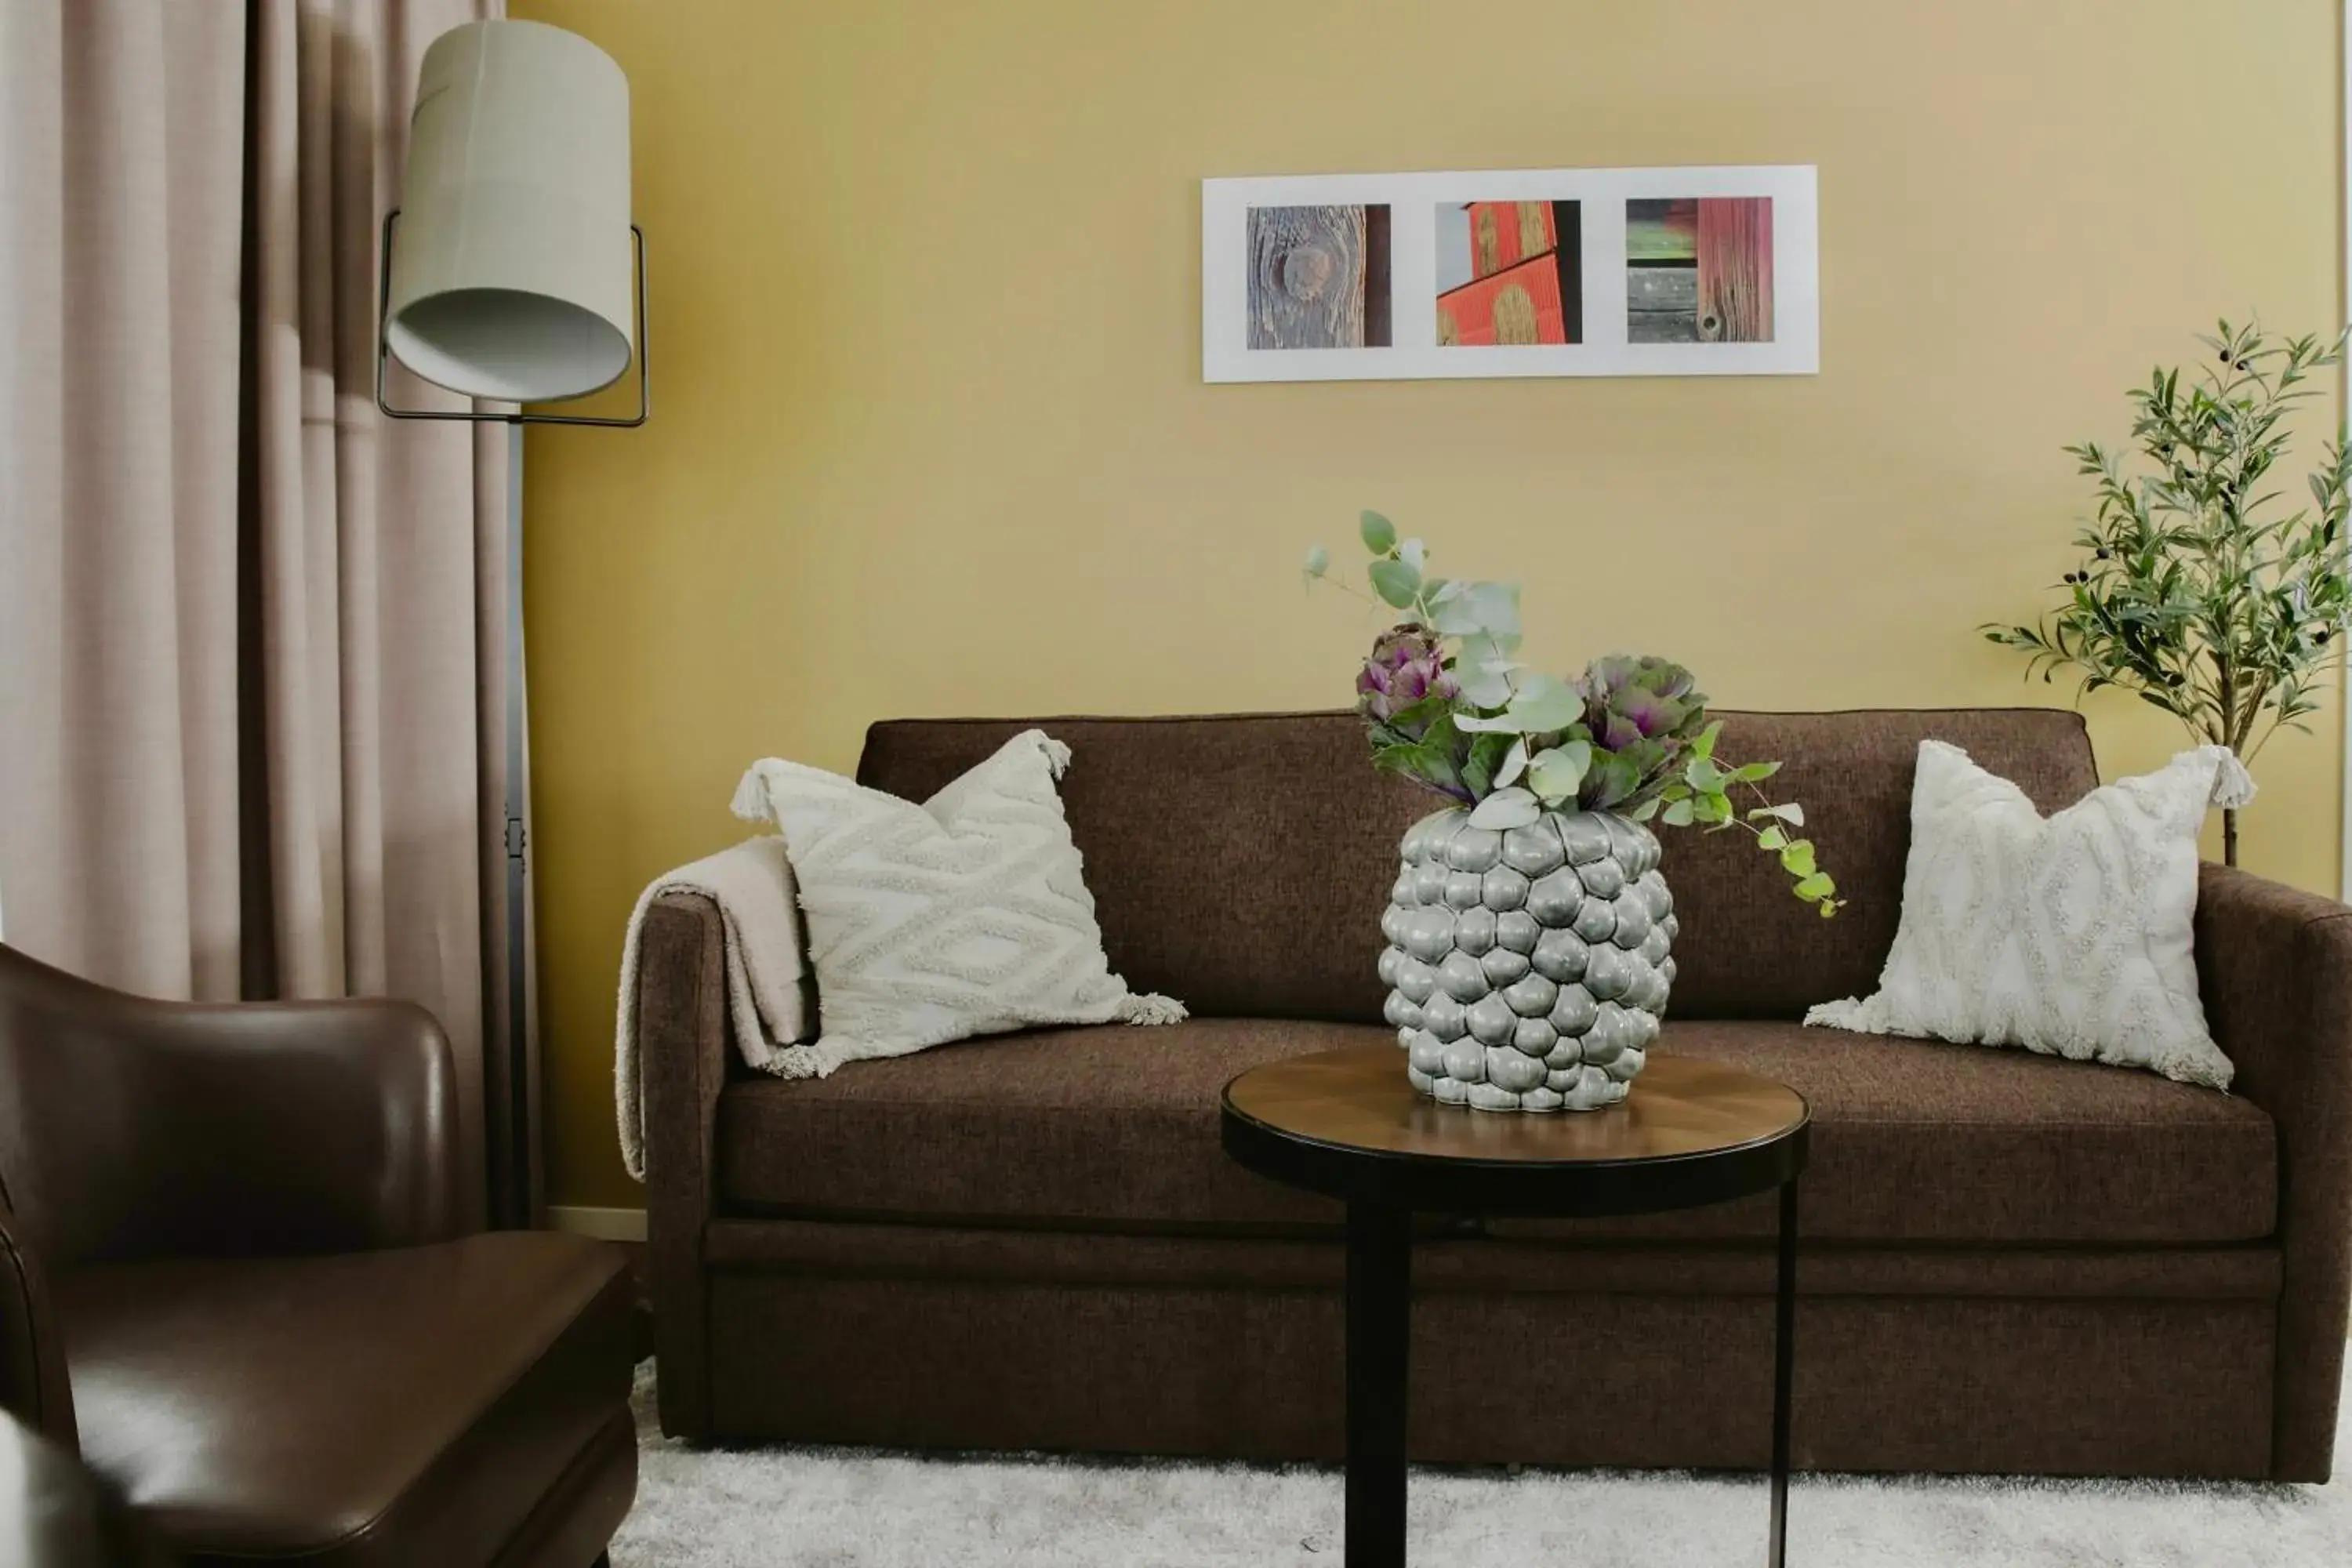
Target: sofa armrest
{"x": 139, "y": 1128}
{"x": 682, "y": 1028}
{"x": 2275, "y": 971}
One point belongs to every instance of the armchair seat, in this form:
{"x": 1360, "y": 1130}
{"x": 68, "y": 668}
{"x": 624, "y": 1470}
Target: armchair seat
{"x": 236, "y": 1269}
{"x": 352, "y": 1409}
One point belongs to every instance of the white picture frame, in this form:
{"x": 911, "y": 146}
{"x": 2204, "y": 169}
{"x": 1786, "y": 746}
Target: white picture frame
{"x": 1411, "y": 223}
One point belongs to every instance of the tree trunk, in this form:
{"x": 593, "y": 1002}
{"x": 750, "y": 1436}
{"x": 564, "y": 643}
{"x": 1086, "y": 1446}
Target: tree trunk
{"x": 2228, "y": 835}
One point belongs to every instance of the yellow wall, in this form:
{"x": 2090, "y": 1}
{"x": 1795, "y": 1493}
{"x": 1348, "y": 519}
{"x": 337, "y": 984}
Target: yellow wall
{"x": 931, "y": 435}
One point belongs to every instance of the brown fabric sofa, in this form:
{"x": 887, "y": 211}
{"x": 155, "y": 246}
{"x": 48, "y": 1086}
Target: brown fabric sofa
{"x": 233, "y": 1276}
{"x": 2010, "y": 1263}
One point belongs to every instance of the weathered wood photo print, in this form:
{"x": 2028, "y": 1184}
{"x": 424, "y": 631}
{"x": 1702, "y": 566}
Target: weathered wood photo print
{"x": 1699, "y": 269}
{"x": 1318, "y": 278}
{"x": 1511, "y": 272}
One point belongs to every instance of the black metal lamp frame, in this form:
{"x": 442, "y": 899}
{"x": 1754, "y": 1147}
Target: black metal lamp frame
{"x": 384, "y": 354}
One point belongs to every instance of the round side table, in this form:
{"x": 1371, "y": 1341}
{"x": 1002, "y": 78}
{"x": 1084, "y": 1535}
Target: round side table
{"x": 1346, "y": 1123}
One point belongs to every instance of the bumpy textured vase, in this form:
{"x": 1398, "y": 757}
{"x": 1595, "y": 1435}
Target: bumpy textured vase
{"x": 1527, "y": 967}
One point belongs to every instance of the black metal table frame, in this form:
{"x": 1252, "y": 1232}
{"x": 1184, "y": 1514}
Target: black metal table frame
{"x": 1382, "y": 1192}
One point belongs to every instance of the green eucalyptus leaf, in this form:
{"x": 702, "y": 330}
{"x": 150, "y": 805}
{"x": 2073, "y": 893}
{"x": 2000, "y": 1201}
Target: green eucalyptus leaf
{"x": 1797, "y": 857}
{"x": 1646, "y": 810}
{"x": 1752, "y": 773}
{"x": 1557, "y": 773}
{"x": 1815, "y": 886}
{"x": 1703, "y": 744}
{"x": 1379, "y": 533}
{"x": 1498, "y": 608}
{"x": 1450, "y": 612}
{"x": 1678, "y": 813}
{"x": 1395, "y": 582}
{"x": 1542, "y": 703}
{"x": 1514, "y": 764}
{"x": 1318, "y": 562}
{"x": 1771, "y": 838}
{"x": 1703, "y": 776}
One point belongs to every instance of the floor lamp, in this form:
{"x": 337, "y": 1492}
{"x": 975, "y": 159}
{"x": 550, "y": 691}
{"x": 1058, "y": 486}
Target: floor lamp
{"x": 511, "y": 273}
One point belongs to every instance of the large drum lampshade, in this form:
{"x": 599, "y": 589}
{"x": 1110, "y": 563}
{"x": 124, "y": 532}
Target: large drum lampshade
{"x": 512, "y": 269}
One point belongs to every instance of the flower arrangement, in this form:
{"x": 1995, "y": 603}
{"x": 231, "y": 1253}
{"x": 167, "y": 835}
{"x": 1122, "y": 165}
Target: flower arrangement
{"x": 1447, "y": 705}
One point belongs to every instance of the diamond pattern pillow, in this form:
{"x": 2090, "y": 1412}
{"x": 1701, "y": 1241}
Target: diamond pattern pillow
{"x": 966, "y": 915}
{"x": 2067, "y": 935}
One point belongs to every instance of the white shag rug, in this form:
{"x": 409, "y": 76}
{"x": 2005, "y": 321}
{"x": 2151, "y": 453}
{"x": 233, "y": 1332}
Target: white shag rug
{"x": 863, "y": 1508}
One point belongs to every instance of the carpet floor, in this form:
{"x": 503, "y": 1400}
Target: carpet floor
{"x": 857, "y": 1508}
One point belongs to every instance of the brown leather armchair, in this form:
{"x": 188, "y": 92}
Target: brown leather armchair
{"x": 231, "y": 1268}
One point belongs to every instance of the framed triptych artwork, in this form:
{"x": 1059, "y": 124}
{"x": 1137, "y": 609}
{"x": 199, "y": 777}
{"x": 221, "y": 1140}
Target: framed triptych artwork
{"x": 1694, "y": 271}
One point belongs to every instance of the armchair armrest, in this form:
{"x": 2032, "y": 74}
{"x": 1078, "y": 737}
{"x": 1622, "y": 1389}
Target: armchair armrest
{"x": 33, "y": 1382}
{"x": 682, "y": 1067}
{"x": 140, "y": 1128}
{"x": 2275, "y": 971}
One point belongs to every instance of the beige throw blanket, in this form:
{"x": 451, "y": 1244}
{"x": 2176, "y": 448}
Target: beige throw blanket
{"x": 770, "y": 992}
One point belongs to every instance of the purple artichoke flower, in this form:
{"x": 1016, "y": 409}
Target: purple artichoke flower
{"x": 1637, "y": 697}
{"x": 1643, "y": 713}
{"x": 1406, "y": 666}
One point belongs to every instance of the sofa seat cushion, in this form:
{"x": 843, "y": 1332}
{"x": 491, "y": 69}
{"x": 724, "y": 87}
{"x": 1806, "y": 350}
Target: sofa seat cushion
{"x": 402, "y": 1406}
{"x": 1101, "y": 1125}
{"x": 1924, "y": 1140}
{"x": 1116, "y": 1128}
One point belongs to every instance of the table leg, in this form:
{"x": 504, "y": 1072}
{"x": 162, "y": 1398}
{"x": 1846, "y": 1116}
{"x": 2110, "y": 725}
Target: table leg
{"x": 1380, "y": 1313}
{"x": 1784, "y": 1364}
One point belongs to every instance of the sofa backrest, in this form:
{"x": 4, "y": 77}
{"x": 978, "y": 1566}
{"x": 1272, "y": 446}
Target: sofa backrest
{"x": 1240, "y": 862}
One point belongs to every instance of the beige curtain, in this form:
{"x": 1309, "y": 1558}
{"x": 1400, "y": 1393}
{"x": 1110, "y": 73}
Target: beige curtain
{"x": 251, "y": 676}
{"x": 121, "y": 130}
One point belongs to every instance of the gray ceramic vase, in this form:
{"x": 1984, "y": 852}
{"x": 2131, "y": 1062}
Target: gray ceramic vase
{"x": 1528, "y": 965}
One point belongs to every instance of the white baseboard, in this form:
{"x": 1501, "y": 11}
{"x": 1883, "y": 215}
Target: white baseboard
{"x": 604, "y": 1224}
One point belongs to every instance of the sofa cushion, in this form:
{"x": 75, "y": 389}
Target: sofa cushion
{"x": 1240, "y": 862}
{"x": 402, "y": 1406}
{"x": 1116, "y": 1128}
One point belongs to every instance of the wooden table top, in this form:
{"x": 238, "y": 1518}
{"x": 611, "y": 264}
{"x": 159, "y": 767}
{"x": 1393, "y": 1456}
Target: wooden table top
{"x": 1358, "y": 1099}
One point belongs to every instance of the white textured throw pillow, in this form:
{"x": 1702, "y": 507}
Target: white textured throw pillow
{"x": 2068, "y": 935}
{"x": 966, "y": 915}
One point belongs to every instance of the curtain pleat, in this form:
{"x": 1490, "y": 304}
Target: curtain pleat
{"x": 251, "y": 632}
{"x": 382, "y": 551}
{"x": 121, "y": 163}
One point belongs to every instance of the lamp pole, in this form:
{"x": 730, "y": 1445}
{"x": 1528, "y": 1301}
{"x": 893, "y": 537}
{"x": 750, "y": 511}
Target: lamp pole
{"x": 510, "y": 284}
